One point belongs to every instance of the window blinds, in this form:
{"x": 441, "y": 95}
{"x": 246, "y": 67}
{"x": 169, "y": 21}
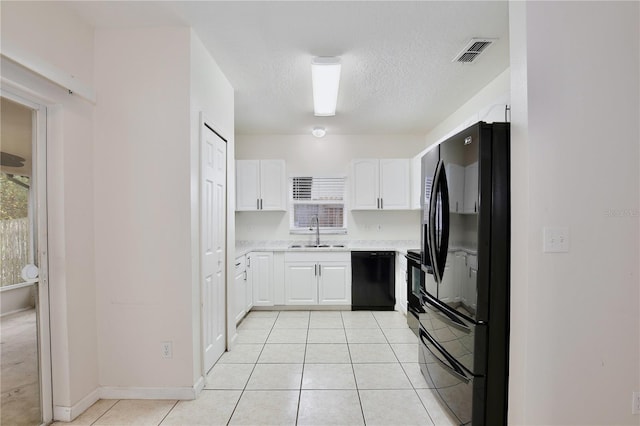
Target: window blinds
{"x": 317, "y": 196}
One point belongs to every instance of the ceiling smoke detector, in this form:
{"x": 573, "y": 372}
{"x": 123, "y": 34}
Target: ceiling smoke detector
{"x": 472, "y": 50}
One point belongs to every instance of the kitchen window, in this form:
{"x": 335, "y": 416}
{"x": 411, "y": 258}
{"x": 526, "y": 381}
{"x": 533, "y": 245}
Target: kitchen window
{"x": 317, "y": 196}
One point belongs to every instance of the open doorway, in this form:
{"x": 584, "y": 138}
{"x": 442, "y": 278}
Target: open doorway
{"x": 25, "y": 365}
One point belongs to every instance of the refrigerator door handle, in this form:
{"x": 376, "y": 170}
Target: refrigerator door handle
{"x": 439, "y": 253}
{"x": 443, "y": 313}
{"x": 451, "y": 365}
{"x": 432, "y": 221}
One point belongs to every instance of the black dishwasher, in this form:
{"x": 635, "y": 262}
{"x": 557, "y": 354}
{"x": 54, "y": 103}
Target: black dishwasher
{"x": 373, "y": 280}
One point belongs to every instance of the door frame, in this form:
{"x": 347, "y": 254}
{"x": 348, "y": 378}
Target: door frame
{"x": 206, "y": 124}
{"x": 40, "y": 213}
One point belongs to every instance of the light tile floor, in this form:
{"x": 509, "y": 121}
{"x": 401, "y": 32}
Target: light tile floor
{"x": 304, "y": 368}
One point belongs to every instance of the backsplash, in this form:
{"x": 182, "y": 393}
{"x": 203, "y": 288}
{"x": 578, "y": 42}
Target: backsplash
{"x": 361, "y": 225}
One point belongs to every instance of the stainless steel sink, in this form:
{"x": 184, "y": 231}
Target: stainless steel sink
{"x": 313, "y": 246}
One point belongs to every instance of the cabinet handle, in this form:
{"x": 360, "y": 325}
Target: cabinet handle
{"x": 381, "y": 203}
{"x": 245, "y": 275}
{"x": 238, "y": 264}
{"x": 378, "y": 202}
{"x": 260, "y": 203}
{"x": 248, "y": 262}
{"x": 315, "y": 270}
{"x": 320, "y": 270}
{"x": 257, "y": 203}
{"x": 456, "y": 207}
{"x": 475, "y": 207}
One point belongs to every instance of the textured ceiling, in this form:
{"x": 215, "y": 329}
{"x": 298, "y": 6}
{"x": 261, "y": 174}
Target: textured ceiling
{"x": 397, "y": 74}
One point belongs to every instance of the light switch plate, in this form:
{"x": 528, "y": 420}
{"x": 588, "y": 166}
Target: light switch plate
{"x": 635, "y": 408}
{"x": 555, "y": 239}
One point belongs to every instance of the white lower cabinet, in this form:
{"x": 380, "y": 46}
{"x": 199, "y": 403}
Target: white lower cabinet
{"x": 313, "y": 278}
{"x": 260, "y": 273}
{"x": 401, "y": 283}
{"x": 334, "y": 283}
{"x": 240, "y": 286}
{"x": 301, "y": 283}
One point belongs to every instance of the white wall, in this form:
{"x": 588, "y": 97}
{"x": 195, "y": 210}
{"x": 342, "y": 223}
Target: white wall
{"x": 142, "y": 163}
{"x": 575, "y": 316}
{"x": 64, "y": 41}
{"x": 212, "y": 95}
{"x": 486, "y": 105}
{"x": 328, "y": 156}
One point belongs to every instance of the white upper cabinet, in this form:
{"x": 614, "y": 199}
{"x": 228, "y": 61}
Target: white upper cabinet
{"x": 365, "y": 188}
{"x": 261, "y": 185}
{"x": 471, "y": 188}
{"x": 380, "y": 184}
{"x": 416, "y": 182}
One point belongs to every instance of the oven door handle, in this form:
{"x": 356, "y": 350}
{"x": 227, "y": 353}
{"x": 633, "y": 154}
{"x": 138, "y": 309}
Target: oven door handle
{"x": 451, "y": 365}
{"x": 442, "y": 311}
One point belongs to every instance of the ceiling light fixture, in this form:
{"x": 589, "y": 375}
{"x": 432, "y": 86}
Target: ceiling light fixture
{"x": 318, "y": 132}
{"x": 325, "y": 76}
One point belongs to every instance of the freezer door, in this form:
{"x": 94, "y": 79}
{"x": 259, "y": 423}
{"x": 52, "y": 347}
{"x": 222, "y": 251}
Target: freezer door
{"x": 454, "y": 385}
{"x": 454, "y": 332}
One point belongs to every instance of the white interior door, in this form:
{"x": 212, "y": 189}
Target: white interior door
{"x": 213, "y": 236}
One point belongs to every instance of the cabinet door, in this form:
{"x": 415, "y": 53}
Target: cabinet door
{"x": 395, "y": 188}
{"x": 260, "y": 267}
{"x": 247, "y": 184}
{"x": 455, "y": 180}
{"x": 273, "y": 185}
{"x": 401, "y": 283}
{"x": 471, "y": 188}
{"x": 301, "y": 283}
{"x": 334, "y": 283}
{"x": 249, "y": 291}
{"x": 365, "y": 191}
{"x": 416, "y": 182}
{"x": 240, "y": 286}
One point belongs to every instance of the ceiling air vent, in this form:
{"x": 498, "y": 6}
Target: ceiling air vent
{"x": 474, "y": 47}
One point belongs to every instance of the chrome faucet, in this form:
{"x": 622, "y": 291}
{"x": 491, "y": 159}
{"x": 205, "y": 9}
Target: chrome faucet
{"x": 315, "y": 218}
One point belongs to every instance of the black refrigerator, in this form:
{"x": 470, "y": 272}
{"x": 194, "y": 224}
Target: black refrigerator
{"x": 465, "y": 233}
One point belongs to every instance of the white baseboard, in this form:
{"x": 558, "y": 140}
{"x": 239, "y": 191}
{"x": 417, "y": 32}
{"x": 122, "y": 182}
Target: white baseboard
{"x": 68, "y": 414}
{"x": 111, "y": 392}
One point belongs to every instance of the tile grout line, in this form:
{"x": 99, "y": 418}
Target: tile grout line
{"x": 252, "y": 370}
{"x": 102, "y": 415}
{"x": 355, "y": 379}
{"x": 304, "y": 361}
{"x": 168, "y": 412}
{"x": 407, "y": 376}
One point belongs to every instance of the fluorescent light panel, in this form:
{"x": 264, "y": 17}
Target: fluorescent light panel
{"x": 325, "y": 76}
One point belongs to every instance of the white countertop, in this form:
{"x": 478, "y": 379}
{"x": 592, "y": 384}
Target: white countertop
{"x": 400, "y": 246}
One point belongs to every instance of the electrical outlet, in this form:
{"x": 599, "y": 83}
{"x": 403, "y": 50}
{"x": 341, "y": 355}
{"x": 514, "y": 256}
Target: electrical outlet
{"x": 635, "y": 408}
{"x": 166, "y": 349}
